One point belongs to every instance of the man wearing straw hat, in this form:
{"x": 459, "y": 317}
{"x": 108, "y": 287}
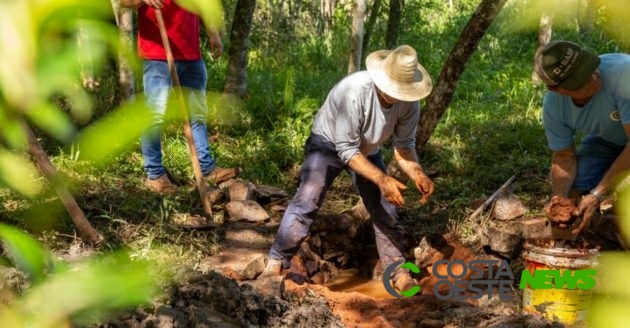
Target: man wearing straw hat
{"x": 588, "y": 95}
{"x": 182, "y": 28}
{"x": 360, "y": 113}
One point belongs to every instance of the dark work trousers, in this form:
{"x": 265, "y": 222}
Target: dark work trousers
{"x": 321, "y": 166}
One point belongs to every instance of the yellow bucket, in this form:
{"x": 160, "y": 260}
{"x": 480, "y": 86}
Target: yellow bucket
{"x": 567, "y": 306}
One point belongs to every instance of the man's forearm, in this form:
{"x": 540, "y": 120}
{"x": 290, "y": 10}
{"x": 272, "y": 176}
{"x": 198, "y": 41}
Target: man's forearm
{"x": 360, "y": 164}
{"x": 407, "y": 159}
{"x": 563, "y": 171}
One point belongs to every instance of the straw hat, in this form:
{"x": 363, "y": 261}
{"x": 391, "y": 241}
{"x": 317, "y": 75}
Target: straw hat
{"x": 398, "y": 73}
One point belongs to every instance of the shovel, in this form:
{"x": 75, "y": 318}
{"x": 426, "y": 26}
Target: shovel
{"x": 202, "y": 185}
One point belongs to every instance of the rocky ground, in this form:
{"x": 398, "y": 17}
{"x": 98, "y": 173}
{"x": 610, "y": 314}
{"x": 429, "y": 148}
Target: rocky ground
{"x": 344, "y": 287}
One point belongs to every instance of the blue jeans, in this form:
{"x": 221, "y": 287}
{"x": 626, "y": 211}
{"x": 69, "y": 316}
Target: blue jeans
{"x": 321, "y": 167}
{"x": 594, "y": 157}
{"x": 158, "y": 88}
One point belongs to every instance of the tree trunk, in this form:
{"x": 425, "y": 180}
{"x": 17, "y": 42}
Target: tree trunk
{"x": 393, "y": 23}
{"x": 369, "y": 26}
{"x": 236, "y": 81}
{"x": 356, "y": 43}
{"x": 124, "y": 20}
{"x": 544, "y": 36}
{"x": 443, "y": 91}
{"x": 587, "y": 21}
{"x": 327, "y": 10}
{"x": 86, "y": 65}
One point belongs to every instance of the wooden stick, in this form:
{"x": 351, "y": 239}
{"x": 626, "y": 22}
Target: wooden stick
{"x": 87, "y": 232}
{"x": 202, "y": 185}
{"x": 491, "y": 198}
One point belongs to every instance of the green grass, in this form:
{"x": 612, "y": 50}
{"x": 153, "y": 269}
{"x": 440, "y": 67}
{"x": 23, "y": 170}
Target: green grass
{"x": 490, "y": 131}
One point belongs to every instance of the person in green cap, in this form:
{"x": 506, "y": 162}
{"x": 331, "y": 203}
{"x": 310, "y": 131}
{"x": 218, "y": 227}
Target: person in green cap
{"x": 589, "y": 97}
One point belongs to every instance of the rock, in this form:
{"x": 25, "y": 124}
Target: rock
{"x": 503, "y": 239}
{"x": 541, "y": 228}
{"x": 268, "y": 286}
{"x": 427, "y": 249}
{"x": 507, "y": 206}
{"x": 270, "y": 192}
{"x": 246, "y": 210}
{"x": 238, "y": 264}
{"x": 214, "y": 194}
{"x": 431, "y": 323}
{"x": 437, "y": 247}
{"x": 247, "y": 235}
{"x": 241, "y": 190}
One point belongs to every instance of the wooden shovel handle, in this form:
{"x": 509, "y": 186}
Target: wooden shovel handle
{"x": 202, "y": 185}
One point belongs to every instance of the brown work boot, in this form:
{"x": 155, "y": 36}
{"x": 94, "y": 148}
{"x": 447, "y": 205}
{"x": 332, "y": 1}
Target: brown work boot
{"x": 219, "y": 174}
{"x": 404, "y": 282}
{"x": 161, "y": 185}
{"x": 272, "y": 269}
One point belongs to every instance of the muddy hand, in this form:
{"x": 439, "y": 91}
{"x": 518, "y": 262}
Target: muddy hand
{"x": 560, "y": 211}
{"x": 425, "y": 186}
{"x": 586, "y": 209}
{"x": 390, "y": 188}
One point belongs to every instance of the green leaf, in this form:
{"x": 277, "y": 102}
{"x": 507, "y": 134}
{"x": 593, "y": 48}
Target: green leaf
{"x": 10, "y": 131}
{"x": 623, "y": 206}
{"x": 26, "y": 253}
{"x": 52, "y": 120}
{"x": 92, "y": 290}
{"x": 209, "y": 11}
{"x": 15, "y": 172}
{"x": 114, "y": 133}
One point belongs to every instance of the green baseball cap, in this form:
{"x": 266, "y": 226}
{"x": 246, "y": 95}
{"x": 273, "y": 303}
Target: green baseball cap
{"x": 565, "y": 64}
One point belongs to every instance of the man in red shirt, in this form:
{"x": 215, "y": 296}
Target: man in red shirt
{"x": 182, "y": 28}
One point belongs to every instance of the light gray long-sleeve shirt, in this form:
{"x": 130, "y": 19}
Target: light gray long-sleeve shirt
{"x": 353, "y": 119}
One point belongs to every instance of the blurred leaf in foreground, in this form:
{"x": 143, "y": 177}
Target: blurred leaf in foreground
{"x": 612, "y": 295}
{"x": 114, "y": 133}
{"x": 27, "y": 255}
{"x": 86, "y": 291}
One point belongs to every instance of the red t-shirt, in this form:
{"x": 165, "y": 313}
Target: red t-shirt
{"x": 182, "y": 28}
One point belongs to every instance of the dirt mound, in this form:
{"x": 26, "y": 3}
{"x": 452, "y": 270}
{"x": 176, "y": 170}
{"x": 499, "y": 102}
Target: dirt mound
{"x": 213, "y": 300}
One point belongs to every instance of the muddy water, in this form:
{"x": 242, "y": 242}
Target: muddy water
{"x": 350, "y": 281}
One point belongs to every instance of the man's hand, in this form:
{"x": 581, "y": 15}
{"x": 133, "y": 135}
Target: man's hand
{"x": 587, "y": 207}
{"x": 390, "y": 188}
{"x": 424, "y": 185}
{"x": 560, "y": 211}
{"x": 407, "y": 158}
{"x": 215, "y": 46}
{"x": 157, "y": 4}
